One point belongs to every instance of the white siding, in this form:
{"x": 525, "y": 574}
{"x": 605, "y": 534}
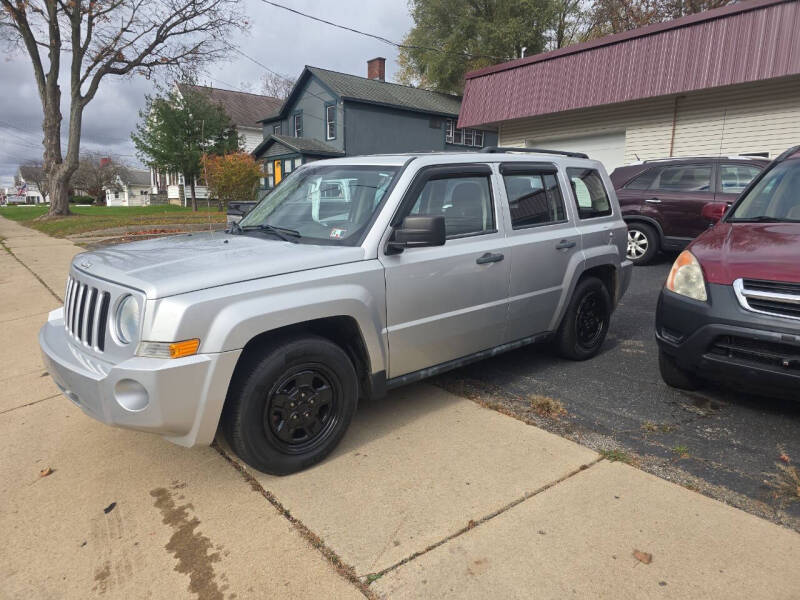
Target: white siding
{"x": 762, "y": 117}
{"x": 250, "y": 138}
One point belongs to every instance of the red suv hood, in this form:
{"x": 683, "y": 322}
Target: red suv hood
{"x": 769, "y": 251}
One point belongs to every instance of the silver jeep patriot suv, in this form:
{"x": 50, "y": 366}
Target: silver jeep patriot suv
{"x": 356, "y": 275}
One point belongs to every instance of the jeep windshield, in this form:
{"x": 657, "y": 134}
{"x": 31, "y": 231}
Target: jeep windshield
{"x": 774, "y": 199}
{"x": 323, "y": 204}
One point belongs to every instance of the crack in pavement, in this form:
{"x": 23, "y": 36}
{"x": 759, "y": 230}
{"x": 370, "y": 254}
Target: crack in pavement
{"x": 473, "y": 524}
{"x": 8, "y": 410}
{"x": 31, "y": 271}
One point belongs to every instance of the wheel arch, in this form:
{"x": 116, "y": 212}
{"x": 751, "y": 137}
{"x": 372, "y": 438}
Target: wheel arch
{"x": 647, "y": 221}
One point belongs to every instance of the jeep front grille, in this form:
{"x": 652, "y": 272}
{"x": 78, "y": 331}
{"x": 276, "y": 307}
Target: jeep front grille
{"x": 776, "y": 298}
{"x": 86, "y": 313}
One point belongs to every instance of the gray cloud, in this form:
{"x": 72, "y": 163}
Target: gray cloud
{"x": 283, "y": 41}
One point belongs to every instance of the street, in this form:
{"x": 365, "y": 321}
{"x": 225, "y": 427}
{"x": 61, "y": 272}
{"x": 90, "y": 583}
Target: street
{"x": 716, "y": 440}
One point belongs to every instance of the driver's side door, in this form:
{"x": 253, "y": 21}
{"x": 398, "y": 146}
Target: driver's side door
{"x": 446, "y": 302}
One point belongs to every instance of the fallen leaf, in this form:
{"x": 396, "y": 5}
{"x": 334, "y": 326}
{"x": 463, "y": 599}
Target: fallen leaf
{"x": 109, "y": 508}
{"x": 643, "y": 557}
{"x": 45, "y": 472}
{"x": 785, "y": 458}
{"x": 471, "y": 524}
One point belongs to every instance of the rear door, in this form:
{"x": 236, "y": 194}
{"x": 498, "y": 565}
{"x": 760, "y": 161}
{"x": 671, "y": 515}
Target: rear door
{"x": 543, "y": 244}
{"x": 449, "y": 301}
{"x": 676, "y": 198}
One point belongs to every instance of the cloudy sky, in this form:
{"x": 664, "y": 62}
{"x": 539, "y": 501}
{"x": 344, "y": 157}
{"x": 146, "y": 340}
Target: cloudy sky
{"x": 281, "y": 40}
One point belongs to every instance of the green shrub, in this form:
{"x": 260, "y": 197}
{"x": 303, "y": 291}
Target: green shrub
{"x": 82, "y": 200}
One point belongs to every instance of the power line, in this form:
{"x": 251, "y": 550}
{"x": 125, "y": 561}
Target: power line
{"x": 381, "y": 38}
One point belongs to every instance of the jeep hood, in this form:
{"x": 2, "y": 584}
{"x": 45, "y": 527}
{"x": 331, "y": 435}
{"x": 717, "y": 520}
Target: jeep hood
{"x": 766, "y": 251}
{"x": 184, "y": 263}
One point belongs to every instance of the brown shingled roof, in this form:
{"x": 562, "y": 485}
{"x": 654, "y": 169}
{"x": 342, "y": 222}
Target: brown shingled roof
{"x": 243, "y": 108}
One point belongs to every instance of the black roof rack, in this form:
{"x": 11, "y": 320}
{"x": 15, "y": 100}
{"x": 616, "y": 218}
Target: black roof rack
{"x": 500, "y": 149}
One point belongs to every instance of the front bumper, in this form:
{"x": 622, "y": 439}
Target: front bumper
{"x": 721, "y": 340}
{"x": 180, "y": 399}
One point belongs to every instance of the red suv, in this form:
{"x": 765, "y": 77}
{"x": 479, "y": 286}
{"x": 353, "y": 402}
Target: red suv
{"x": 730, "y": 309}
{"x": 663, "y": 201}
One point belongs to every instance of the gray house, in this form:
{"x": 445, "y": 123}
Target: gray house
{"x": 331, "y": 114}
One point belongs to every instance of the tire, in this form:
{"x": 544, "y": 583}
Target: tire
{"x": 288, "y": 408}
{"x": 674, "y": 376}
{"x": 643, "y": 243}
{"x": 585, "y": 324}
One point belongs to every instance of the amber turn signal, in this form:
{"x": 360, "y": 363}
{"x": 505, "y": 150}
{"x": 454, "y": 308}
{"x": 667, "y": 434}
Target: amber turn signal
{"x": 184, "y": 348}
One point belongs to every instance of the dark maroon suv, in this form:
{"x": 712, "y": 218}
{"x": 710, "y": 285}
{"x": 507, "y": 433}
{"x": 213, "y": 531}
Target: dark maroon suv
{"x": 667, "y": 203}
{"x": 730, "y": 309}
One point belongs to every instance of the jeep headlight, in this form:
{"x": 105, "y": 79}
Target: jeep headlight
{"x": 686, "y": 277}
{"x": 127, "y": 320}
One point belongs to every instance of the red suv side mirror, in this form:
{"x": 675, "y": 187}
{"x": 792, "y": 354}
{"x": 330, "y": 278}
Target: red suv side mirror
{"x": 713, "y": 211}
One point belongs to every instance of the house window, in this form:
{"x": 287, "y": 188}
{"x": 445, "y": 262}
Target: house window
{"x": 462, "y": 137}
{"x": 330, "y": 121}
{"x": 276, "y": 129}
{"x": 298, "y": 124}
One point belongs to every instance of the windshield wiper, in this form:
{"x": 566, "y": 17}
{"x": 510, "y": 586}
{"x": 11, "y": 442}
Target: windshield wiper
{"x": 286, "y": 234}
{"x": 761, "y": 219}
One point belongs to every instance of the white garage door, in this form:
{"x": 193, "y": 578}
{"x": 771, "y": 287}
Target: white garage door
{"x": 608, "y": 148}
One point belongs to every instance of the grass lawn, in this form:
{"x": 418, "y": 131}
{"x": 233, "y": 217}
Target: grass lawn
{"x": 92, "y": 218}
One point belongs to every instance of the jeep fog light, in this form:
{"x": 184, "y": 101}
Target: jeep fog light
{"x": 168, "y": 349}
{"x": 686, "y": 277}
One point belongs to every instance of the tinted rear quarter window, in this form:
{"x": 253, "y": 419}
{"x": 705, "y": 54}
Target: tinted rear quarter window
{"x": 590, "y": 193}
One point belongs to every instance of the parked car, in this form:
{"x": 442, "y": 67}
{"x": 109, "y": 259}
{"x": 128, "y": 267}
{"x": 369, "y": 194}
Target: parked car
{"x": 662, "y": 200}
{"x": 730, "y": 309}
{"x": 237, "y": 210}
{"x": 282, "y": 323}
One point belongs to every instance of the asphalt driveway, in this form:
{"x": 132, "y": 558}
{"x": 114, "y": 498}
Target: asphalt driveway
{"x": 717, "y": 441}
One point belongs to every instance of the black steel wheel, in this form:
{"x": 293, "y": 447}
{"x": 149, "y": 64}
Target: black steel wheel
{"x": 585, "y": 323}
{"x": 302, "y": 408}
{"x": 290, "y": 403}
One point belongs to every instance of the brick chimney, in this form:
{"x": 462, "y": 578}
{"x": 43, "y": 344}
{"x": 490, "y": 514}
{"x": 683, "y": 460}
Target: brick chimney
{"x": 376, "y": 69}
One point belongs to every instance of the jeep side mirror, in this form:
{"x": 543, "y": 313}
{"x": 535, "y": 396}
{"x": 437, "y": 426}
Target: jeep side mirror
{"x": 417, "y": 231}
{"x": 714, "y": 211}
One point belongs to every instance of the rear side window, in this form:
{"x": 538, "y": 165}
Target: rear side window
{"x": 534, "y": 199}
{"x": 590, "y": 193}
{"x": 734, "y": 178}
{"x": 683, "y": 178}
{"x": 465, "y": 202}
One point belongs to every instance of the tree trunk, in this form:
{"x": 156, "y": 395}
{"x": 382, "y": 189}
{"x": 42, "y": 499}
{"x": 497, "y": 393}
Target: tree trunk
{"x": 58, "y": 187}
{"x": 194, "y": 198}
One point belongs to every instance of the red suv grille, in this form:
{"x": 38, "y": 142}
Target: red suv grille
{"x": 778, "y": 298}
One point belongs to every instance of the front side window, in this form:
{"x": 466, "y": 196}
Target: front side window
{"x": 734, "y": 178}
{"x": 590, "y": 193}
{"x": 643, "y": 181}
{"x": 298, "y": 125}
{"x": 683, "y": 178}
{"x": 534, "y": 199}
{"x": 325, "y": 204}
{"x": 465, "y": 203}
{"x": 330, "y": 122}
{"x": 774, "y": 198}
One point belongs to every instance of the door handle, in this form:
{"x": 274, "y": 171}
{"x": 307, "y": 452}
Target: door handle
{"x": 653, "y": 201}
{"x": 563, "y": 244}
{"x": 489, "y": 258}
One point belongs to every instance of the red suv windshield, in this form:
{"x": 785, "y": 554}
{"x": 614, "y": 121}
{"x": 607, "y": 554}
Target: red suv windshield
{"x": 774, "y": 199}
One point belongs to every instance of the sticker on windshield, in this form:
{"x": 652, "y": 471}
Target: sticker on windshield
{"x": 337, "y": 234}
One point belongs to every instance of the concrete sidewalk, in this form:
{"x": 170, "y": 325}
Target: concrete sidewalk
{"x": 429, "y": 495}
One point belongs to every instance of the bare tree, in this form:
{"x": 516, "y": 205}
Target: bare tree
{"x": 277, "y": 86}
{"x": 96, "y": 172}
{"x": 32, "y": 172}
{"x": 107, "y": 38}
